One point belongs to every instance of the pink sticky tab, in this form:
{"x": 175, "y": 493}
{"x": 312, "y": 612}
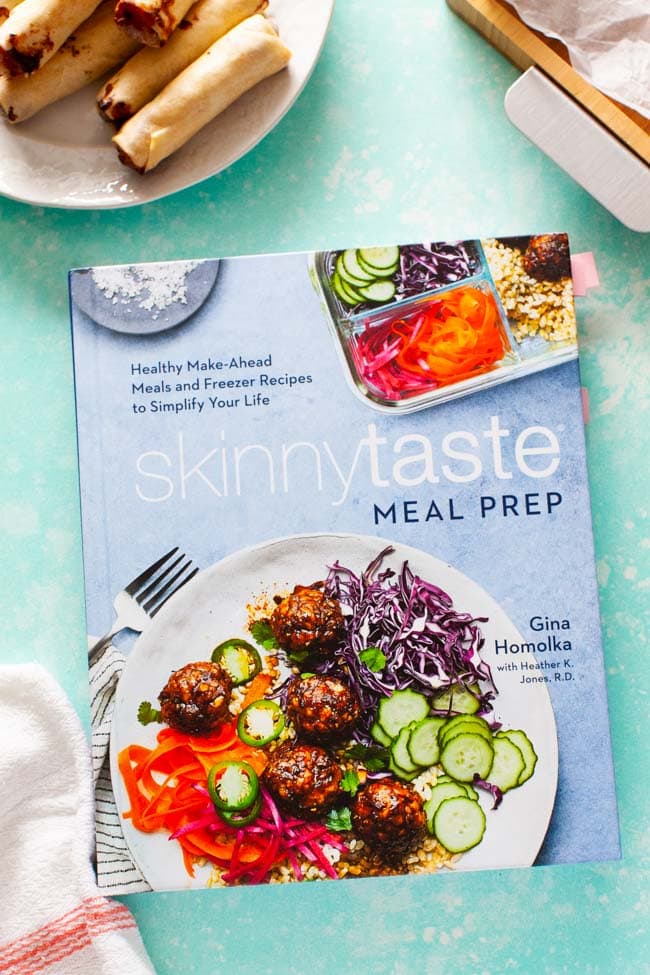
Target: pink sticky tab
{"x": 585, "y": 275}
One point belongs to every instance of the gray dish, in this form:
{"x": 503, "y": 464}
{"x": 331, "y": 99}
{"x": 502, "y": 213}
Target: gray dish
{"x": 143, "y": 299}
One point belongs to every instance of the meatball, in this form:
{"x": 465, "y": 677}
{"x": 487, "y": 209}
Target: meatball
{"x": 547, "y": 257}
{"x": 322, "y": 708}
{"x": 389, "y": 816}
{"x": 195, "y": 699}
{"x": 304, "y": 779}
{"x": 307, "y": 620}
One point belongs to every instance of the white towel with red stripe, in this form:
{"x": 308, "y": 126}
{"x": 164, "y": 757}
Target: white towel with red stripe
{"x": 53, "y": 918}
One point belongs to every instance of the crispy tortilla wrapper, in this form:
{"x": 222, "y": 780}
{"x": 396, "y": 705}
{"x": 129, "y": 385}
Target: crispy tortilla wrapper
{"x": 6, "y": 6}
{"x": 96, "y": 47}
{"x": 36, "y": 29}
{"x": 148, "y": 71}
{"x": 235, "y": 63}
{"x": 152, "y": 22}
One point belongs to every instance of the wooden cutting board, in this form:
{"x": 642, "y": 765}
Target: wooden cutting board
{"x": 498, "y": 22}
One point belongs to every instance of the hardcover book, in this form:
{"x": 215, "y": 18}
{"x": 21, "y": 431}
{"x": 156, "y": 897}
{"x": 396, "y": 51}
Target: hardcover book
{"x": 340, "y": 583}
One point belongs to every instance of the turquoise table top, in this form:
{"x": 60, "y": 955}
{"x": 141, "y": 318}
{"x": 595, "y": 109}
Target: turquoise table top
{"x": 399, "y": 135}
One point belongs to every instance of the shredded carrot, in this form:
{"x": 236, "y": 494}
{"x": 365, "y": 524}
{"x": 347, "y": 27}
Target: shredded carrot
{"x": 166, "y": 786}
{"x": 454, "y": 336}
{"x": 257, "y": 689}
{"x": 161, "y": 784}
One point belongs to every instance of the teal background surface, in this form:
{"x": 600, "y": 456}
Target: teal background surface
{"x": 400, "y": 135}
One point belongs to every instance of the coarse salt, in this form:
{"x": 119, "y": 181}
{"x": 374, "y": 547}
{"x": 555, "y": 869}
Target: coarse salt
{"x": 151, "y": 287}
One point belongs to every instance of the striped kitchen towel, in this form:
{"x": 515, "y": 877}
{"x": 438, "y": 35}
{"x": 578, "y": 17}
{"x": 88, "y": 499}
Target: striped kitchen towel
{"x": 116, "y": 871}
{"x": 53, "y": 920}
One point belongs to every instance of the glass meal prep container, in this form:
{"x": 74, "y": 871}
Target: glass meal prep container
{"x": 405, "y": 353}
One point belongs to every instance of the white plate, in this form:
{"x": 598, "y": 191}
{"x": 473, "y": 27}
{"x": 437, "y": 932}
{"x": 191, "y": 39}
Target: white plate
{"x": 213, "y": 607}
{"x": 63, "y": 157}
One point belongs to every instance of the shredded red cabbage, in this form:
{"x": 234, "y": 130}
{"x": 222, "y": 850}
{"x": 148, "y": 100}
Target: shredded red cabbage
{"x": 428, "y": 645}
{"x": 426, "y": 266}
{"x": 494, "y": 790}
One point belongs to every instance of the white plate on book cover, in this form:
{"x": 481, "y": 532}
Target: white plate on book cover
{"x": 212, "y": 608}
{"x": 63, "y": 156}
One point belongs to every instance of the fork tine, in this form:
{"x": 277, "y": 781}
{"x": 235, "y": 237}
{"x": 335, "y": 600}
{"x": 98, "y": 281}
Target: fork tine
{"x": 140, "y": 597}
{"x": 149, "y": 606}
{"x": 156, "y": 598}
{"x": 133, "y": 587}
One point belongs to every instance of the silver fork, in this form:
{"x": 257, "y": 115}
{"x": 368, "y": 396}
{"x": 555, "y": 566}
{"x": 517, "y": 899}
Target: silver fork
{"x": 138, "y": 602}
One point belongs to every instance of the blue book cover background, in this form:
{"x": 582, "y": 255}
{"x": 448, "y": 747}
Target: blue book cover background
{"x": 239, "y": 425}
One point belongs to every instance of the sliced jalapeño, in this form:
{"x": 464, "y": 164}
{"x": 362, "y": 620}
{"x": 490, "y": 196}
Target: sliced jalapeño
{"x": 233, "y": 786}
{"x": 260, "y": 722}
{"x": 239, "y": 658}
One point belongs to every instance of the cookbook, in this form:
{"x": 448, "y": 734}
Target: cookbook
{"x": 340, "y": 583}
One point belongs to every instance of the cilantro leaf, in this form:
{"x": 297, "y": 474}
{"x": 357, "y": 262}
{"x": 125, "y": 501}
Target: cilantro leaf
{"x": 148, "y": 714}
{"x": 339, "y": 820}
{"x": 263, "y": 634}
{"x": 373, "y": 658}
{"x": 373, "y": 757}
{"x": 350, "y": 782}
{"x": 298, "y": 656}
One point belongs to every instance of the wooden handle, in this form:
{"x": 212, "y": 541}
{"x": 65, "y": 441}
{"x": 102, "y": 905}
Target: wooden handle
{"x": 502, "y": 28}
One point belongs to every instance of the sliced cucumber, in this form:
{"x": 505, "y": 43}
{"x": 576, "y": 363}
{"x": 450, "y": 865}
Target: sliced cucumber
{"x": 401, "y": 773}
{"x": 469, "y": 719}
{"x": 507, "y": 766}
{"x": 470, "y": 791}
{"x": 446, "y": 778}
{"x": 355, "y": 280}
{"x": 439, "y": 793}
{"x": 459, "y": 824}
{"x": 345, "y": 291}
{"x": 525, "y": 746}
{"x": 379, "y": 291}
{"x": 386, "y": 272}
{"x": 380, "y": 735}
{"x": 422, "y": 745}
{"x": 464, "y": 727}
{"x": 399, "y": 751}
{"x": 379, "y": 258}
{"x": 457, "y": 699}
{"x": 335, "y": 281}
{"x": 354, "y": 268}
{"x": 346, "y": 277}
{"x": 400, "y": 709}
{"x": 467, "y": 755}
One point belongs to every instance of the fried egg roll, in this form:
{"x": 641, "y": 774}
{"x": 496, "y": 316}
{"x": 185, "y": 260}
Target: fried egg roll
{"x": 148, "y": 71}
{"x": 152, "y": 22}
{"x": 96, "y": 47}
{"x": 240, "y": 59}
{"x": 6, "y": 6}
{"x": 36, "y": 29}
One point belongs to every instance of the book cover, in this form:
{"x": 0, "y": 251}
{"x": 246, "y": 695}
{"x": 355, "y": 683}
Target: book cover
{"x": 340, "y": 583}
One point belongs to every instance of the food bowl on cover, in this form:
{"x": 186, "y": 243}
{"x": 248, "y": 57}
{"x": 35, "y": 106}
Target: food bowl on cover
{"x": 421, "y": 324}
